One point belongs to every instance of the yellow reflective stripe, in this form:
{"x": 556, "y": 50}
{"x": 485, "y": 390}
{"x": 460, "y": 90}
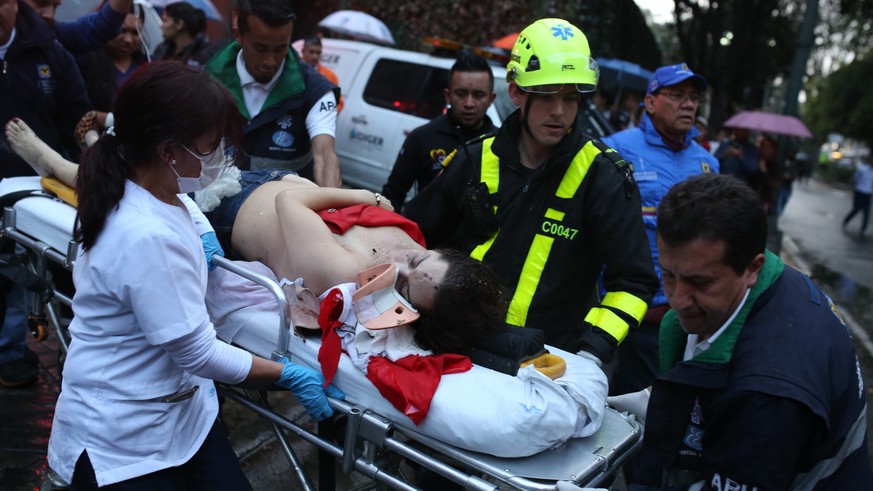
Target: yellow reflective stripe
{"x": 481, "y": 249}
{"x": 576, "y": 172}
{"x": 530, "y": 276}
{"x": 541, "y": 246}
{"x": 490, "y": 175}
{"x": 627, "y": 303}
{"x": 609, "y": 321}
{"x": 555, "y": 214}
{"x": 490, "y": 170}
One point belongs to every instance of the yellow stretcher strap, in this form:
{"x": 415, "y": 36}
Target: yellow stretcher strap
{"x": 609, "y": 321}
{"x": 625, "y": 302}
{"x": 61, "y": 190}
{"x": 552, "y": 366}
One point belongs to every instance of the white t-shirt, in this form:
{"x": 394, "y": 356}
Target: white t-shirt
{"x": 141, "y": 285}
{"x": 864, "y": 178}
{"x": 4, "y": 48}
{"x": 320, "y": 120}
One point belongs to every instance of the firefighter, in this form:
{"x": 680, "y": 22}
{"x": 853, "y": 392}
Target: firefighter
{"x": 547, "y": 206}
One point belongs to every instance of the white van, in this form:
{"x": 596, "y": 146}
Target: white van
{"x": 387, "y": 93}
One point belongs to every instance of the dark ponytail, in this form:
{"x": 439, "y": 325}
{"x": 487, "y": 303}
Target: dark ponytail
{"x": 100, "y": 184}
{"x": 161, "y": 102}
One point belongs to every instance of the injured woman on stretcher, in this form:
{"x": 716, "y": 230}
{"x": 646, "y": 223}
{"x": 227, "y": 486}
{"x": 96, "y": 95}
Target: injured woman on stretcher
{"x": 390, "y": 315}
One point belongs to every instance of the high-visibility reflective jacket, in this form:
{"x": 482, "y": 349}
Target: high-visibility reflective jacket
{"x": 547, "y": 232}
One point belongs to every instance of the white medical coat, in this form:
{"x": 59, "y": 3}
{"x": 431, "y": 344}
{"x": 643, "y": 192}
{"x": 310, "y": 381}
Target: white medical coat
{"x": 141, "y": 285}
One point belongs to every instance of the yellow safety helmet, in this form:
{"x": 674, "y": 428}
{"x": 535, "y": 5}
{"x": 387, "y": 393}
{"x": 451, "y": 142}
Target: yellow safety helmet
{"x": 550, "y": 53}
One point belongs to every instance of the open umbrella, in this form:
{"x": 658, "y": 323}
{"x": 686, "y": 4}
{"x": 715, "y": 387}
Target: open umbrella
{"x": 507, "y": 42}
{"x": 779, "y": 124}
{"x": 358, "y": 24}
{"x": 206, "y": 6}
{"x": 623, "y": 74}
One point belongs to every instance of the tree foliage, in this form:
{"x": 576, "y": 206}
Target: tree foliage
{"x": 740, "y": 46}
{"x": 843, "y": 102}
{"x": 614, "y": 28}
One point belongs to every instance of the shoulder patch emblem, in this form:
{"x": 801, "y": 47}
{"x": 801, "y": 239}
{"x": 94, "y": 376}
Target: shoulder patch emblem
{"x": 285, "y": 122}
{"x": 835, "y": 310}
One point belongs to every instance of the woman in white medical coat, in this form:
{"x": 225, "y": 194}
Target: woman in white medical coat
{"x": 138, "y": 408}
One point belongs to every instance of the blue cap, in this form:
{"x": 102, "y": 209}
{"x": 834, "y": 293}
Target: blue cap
{"x": 672, "y": 75}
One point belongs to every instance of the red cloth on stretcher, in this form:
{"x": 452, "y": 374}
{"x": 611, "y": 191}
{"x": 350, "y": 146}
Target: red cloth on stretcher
{"x": 410, "y": 383}
{"x": 338, "y": 220}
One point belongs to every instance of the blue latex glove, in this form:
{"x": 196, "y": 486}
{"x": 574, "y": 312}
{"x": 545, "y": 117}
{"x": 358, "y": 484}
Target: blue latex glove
{"x": 211, "y": 247}
{"x": 308, "y": 387}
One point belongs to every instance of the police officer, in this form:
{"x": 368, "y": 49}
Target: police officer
{"x": 663, "y": 152}
{"x": 469, "y": 94}
{"x": 547, "y": 206}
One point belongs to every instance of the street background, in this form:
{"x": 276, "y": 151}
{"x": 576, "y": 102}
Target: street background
{"x": 813, "y": 241}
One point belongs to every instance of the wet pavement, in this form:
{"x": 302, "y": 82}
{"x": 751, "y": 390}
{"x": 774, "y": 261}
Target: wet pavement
{"x": 813, "y": 241}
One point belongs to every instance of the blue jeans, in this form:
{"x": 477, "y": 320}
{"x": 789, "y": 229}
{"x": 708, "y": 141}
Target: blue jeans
{"x": 13, "y": 331}
{"x": 861, "y": 202}
{"x": 223, "y": 216}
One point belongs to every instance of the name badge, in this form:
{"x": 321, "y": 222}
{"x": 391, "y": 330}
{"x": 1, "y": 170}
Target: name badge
{"x": 646, "y": 176}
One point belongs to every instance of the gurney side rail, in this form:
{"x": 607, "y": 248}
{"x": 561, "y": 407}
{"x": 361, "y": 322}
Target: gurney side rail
{"x": 285, "y": 325}
{"x": 373, "y": 429}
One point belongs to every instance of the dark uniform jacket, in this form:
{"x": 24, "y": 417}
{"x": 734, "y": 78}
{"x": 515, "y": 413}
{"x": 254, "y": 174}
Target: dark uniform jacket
{"x": 777, "y": 401}
{"x": 41, "y": 84}
{"x": 197, "y": 53}
{"x": 548, "y": 249}
{"x": 277, "y": 136}
{"x": 421, "y": 157}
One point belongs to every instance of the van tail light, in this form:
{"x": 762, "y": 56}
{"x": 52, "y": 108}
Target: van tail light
{"x": 404, "y": 106}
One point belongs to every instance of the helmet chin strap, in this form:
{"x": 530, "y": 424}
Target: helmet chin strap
{"x": 524, "y": 114}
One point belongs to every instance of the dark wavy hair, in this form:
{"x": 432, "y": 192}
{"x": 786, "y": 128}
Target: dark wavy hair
{"x": 715, "y": 207}
{"x": 471, "y": 304}
{"x": 193, "y": 18}
{"x": 160, "y": 102}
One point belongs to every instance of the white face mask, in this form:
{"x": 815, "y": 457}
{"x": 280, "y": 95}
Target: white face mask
{"x": 212, "y": 165}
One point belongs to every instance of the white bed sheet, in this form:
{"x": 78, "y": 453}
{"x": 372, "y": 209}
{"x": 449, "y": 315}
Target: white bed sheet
{"x": 480, "y": 410}
{"x": 47, "y": 219}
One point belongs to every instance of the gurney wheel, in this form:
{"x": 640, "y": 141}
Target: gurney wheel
{"x": 39, "y": 331}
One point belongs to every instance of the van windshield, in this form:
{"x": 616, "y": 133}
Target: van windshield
{"x": 502, "y": 103}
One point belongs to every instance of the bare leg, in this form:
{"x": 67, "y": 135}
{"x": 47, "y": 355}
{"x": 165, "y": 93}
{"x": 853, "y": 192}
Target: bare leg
{"x": 44, "y": 160}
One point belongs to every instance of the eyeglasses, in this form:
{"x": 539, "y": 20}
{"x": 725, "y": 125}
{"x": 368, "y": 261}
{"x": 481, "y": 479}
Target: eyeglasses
{"x": 215, "y": 158}
{"x": 555, "y": 88}
{"x": 680, "y": 97}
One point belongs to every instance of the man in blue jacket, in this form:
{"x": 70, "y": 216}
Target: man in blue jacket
{"x": 663, "y": 152}
{"x": 88, "y": 32}
{"x": 39, "y": 83}
{"x": 760, "y": 385}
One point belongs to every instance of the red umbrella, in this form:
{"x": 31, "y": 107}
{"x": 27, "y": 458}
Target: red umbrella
{"x": 506, "y": 42}
{"x": 779, "y": 124}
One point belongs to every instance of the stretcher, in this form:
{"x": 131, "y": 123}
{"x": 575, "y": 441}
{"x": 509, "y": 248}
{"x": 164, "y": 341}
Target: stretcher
{"x": 370, "y": 436}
